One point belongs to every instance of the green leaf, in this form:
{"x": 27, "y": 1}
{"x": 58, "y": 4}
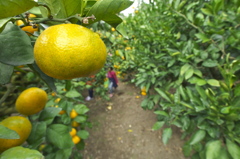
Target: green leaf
{"x": 163, "y": 94}
{"x": 167, "y": 134}
{"x": 38, "y": 132}
{"x": 201, "y": 91}
{"x": 202, "y": 37}
{"x": 6, "y": 133}
{"x": 16, "y": 48}
{"x": 81, "y": 108}
{"x": 158, "y": 125}
{"x": 3, "y": 23}
{"x": 197, "y": 137}
{"x": 48, "y": 114}
{"x": 64, "y": 153}
{"x": 233, "y": 149}
{"x": 213, "y": 149}
{"x": 72, "y": 94}
{"x": 187, "y": 149}
{"x": 5, "y": 73}
{"x": 58, "y": 135}
{"x": 15, "y": 7}
{"x": 226, "y": 110}
{"x": 213, "y": 82}
{"x": 62, "y": 8}
{"x": 159, "y": 112}
{"x": 210, "y": 63}
{"x": 47, "y": 79}
{"x": 184, "y": 69}
{"x": 236, "y": 90}
{"x": 107, "y": 10}
{"x": 80, "y": 119}
{"x": 198, "y": 73}
{"x": 20, "y": 152}
{"x": 206, "y": 11}
{"x": 83, "y": 134}
{"x": 189, "y": 73}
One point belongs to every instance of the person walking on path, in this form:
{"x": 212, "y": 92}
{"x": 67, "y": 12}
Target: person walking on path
{"x": 90, "y": 87}
{"x": 113, "y": 81}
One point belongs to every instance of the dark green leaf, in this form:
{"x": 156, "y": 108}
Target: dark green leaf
{"x": 80, "y": 119}
{"x": 107, "y": 10}
{"x": 83, "y": 134}
{"x": 233, "y": 149}
{"x": 184, "y": 69}
{"x": 5, "y": 73}
{"x": 81, "y": 108}
{"x": 38, "y": 132}
{"x": 210, "y": 63}
{"x": 201, "y": 91}
{"x": 189, "y": 73}
{"x": 3, "y": 23}
{"x": 167, "y": 134}
{"x": 15, "y": 7}
{"x": 187, "y": 149}
{"x": 213, "y": 149}
{"x": 202, "y": 37}
{"x": 73, "y": 94}
{"x": 48, "y": 114}
{"x": 6, "y": 133}
{"x": 16, "y": 48}
{"x": 163, "y": 94}
{"x": 64, "y": 153}
{"x": 58, "y": 135}
{"x": 48, "y": 80}
{"x": 163, "y": 113}
{"x": 197, "y": 137}
{"x": 213, "y": 82}
{"x": 19, "y": 152}
{"x": 158, "y": 125}
{"x": 206, "y": 11}
{"x": 237, "y": 90}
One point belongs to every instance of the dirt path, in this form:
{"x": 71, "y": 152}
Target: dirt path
{"x": 122, "y": 130}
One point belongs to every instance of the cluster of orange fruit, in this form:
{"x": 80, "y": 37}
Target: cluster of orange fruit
{"x": 29, "y": 102}
{"x": 30, "y": 28}
{"x": 75, "y": 138}
{"x": 73, "y": 113}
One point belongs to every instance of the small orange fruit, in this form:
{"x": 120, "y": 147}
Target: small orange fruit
{"x": 73, "y": 132}
{"x": 73, "y": 114}
{"x": 76, "y": 139}
{"x": 62, "y": 112}
{"x": 31, "y": 101}
{"x": 143, "y": 93}
{"x": 113, "y": 29}
{"x": 75, "y": 124}
{"x": 57, "y": 100}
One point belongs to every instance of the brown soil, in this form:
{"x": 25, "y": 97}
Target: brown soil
{"x": 122, "y": 130}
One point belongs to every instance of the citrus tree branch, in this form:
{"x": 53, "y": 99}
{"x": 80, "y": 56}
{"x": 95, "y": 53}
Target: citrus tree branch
{"x": 6, "y": 94}
{"x": 200, "y": 30}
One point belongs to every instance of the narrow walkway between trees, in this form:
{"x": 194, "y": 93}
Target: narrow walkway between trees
{"x": 122, "y": 130}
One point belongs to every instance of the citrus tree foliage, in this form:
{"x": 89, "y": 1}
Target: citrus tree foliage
{"x": 65, "y": 108}
{"x": 185, "y": 54}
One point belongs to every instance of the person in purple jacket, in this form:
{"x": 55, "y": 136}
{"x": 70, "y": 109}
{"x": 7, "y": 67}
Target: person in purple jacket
{"x": 113, "y": 81}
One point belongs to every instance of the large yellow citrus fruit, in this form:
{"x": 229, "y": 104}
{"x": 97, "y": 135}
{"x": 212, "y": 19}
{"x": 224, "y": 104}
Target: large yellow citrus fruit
{"x": 68, "y": 51}
{"x": 31, "y": 101}
{"x": 19, "y": 124}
